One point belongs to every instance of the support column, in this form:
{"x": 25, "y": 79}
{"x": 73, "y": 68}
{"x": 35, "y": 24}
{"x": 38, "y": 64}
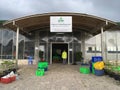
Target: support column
{"x": 106, "y": 51}
{"x": 102, "y": 46}
{"x": 68, "y": 54}
{"x": 116, "y": 48}
{"x": 17, "y": 46}
{"x": 73, "y": 60}
{"x": 50, "y": 53}
{"x": 95, "y": 47}
{"x": 83, "y": 45}
{"x": 36, "y": 56}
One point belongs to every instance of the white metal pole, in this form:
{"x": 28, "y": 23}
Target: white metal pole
{"x": 84, "y": 50}
{"x": 51, "y": 53}
{"x": 13, "y": 47}
{"x": 73, "y": 60}
{"x": 106, "y": 51}
{"x": 47, "y": 47}
{"x": 102, "y": 48}
{"x": 68, "y": 54}
{"x": 17, "y": 46}
{"x": 116, "y": 48}
{"x": 95, "y": 47}
{"x": 83, "y": 45}
{"x": 36, "y": 56}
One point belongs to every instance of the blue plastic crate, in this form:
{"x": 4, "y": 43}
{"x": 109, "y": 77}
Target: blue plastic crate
{"x": 99, "y": 72}
{"x": 96, "y": 59}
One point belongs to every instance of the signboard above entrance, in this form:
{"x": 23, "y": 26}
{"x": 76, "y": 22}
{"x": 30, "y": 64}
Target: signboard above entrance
{"x": 61, "y": 23}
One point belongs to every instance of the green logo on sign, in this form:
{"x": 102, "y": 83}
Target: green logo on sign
{"x": 60, "y": 19}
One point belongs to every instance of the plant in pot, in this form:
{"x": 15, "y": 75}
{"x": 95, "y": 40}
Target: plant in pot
{"x": 78, "y": 57}
{"x": 41, "y": 55}
{"x": 56, "y": 58}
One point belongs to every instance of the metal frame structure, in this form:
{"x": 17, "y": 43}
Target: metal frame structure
{"x": 88, "y": 23}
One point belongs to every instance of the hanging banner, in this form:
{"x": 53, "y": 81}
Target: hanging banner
{"x": 60, "y": 23}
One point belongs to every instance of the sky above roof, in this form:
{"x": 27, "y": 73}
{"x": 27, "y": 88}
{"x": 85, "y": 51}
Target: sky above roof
{"x": 11, "y": 9}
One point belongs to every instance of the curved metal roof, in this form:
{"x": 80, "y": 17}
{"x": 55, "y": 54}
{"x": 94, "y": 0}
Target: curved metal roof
{"x": 88, "y": 23}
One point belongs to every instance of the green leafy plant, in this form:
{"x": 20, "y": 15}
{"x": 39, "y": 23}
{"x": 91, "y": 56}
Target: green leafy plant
{"x": 79, "y": 56}
{"x": 8, "y": 64}
{"x": 41, "y": 55}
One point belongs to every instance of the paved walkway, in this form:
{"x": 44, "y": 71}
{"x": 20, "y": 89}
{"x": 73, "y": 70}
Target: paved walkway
{"x": 60, "y": 77}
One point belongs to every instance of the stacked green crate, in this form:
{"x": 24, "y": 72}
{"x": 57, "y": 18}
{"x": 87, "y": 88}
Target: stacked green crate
{"x": 41, "y": 68}
{"x": 42, "y": 65}
{"x": 84, "y": 70}
{"x": 40, "y": 72}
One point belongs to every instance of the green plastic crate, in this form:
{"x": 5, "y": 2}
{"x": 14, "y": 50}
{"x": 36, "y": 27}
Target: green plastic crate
{"x": 84, "y": 70}
{"x": 42, "y": 64}
{"x": 40, "y": 72}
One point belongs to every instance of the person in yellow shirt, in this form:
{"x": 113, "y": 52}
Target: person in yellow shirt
{"x": 64, "y": 56}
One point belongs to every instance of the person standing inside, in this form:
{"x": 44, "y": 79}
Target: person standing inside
{"x": 64, "y": 56}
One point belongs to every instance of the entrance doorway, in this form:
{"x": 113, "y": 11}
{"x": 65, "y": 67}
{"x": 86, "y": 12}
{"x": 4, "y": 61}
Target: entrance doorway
{"x": 57, "y": 49}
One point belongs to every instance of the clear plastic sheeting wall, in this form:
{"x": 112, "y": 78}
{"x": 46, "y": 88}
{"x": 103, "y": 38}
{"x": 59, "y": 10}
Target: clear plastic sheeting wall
{"x": 90, "y": 45}
{"x": 93, "y": 45}
{"x": 118, "y": 45}
{"x": 29, "y": 44}
{"x": 111, "y": 46}
{"x": 111, "y": 43}
{"x": 43, "y": 42}
{"x": 98, "y": 44}
{"x": 8, "y": 45}
{"x": 76, "y": 45}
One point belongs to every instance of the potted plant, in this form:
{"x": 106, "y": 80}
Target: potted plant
{"x": 78, "y": 57}
{"x": 41, "y": 55}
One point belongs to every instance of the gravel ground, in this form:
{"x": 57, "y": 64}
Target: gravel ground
{"x": 60, "y": 77}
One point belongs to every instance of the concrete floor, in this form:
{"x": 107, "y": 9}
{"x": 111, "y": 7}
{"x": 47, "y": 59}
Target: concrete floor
{"x": 60, "y": 77}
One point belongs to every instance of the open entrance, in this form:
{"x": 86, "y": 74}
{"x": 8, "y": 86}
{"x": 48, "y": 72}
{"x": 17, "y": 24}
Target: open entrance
{"x": 57, "y": 49}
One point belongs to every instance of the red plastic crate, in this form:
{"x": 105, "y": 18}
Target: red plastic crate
{"x": 13, "y": 78}
{"x": 5, "y": 80}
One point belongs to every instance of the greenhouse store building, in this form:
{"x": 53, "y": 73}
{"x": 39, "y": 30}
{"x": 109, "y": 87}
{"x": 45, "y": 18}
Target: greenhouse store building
{"x": 80, "y": 35}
